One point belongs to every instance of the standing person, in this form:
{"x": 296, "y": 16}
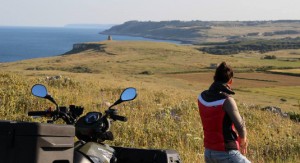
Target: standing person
{"x": 225, "y": 135}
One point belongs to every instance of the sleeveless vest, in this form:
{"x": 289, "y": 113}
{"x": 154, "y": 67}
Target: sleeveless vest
{"x": 218, "y": 128}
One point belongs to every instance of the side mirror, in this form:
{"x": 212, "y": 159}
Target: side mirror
{"x": 39, "y": 90}
{"x": 128, "y": 94}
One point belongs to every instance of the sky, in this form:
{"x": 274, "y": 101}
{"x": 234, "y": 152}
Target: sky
{"x": 62, "y": 12}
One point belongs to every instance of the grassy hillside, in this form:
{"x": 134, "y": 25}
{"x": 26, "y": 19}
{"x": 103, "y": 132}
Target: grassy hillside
{"x": 168, "y": 78}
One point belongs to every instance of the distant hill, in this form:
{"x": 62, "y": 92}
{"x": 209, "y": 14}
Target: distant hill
{"x": 196, "y": 32}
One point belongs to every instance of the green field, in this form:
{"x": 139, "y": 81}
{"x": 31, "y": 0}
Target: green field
{"x": 168, "y": 78}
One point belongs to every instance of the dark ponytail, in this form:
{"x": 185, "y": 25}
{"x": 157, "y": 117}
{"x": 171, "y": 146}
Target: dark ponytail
{"x": 223, "y": 73}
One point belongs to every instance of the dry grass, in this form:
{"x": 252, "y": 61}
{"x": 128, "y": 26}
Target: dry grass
{"x": 165, "y": 113}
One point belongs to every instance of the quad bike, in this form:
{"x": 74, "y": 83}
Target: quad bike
{"x": 53, "y": 143}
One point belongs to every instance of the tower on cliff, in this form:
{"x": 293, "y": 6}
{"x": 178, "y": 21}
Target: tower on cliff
{"x": 109, "y": 38}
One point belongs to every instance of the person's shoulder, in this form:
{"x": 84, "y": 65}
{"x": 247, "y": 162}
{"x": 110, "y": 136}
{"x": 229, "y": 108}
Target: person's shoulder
{"x": 230, "y": 100}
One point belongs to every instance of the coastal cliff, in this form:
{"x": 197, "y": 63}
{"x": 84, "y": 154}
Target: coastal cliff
{"x": 79, "y": 47}
{"x": 198, "y": 32}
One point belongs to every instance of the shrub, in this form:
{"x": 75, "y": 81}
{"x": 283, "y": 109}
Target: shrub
{"x": 269, "y": 57}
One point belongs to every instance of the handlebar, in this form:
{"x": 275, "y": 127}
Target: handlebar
{"x": 118, "y": 117}
{"x": 68, "y": 114}
{"x": 40, "y": 113}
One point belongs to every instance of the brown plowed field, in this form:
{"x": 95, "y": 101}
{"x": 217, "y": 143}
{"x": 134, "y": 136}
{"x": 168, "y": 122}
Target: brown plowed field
{"x": 242, "y": 80}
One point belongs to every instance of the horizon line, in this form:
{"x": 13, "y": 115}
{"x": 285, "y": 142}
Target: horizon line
{"x": 112, "y": 24}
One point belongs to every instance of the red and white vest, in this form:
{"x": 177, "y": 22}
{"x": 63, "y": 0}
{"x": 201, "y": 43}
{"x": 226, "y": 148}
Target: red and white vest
{"x": 218, "y": 128}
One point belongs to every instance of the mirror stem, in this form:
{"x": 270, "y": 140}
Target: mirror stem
{"x": 49, "y": 97}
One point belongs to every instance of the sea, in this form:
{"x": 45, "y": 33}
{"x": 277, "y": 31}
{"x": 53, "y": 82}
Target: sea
{"x": 21, "y": 43}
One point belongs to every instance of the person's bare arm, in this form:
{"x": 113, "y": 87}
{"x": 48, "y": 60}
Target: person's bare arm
{"x": 231, "y": 109}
